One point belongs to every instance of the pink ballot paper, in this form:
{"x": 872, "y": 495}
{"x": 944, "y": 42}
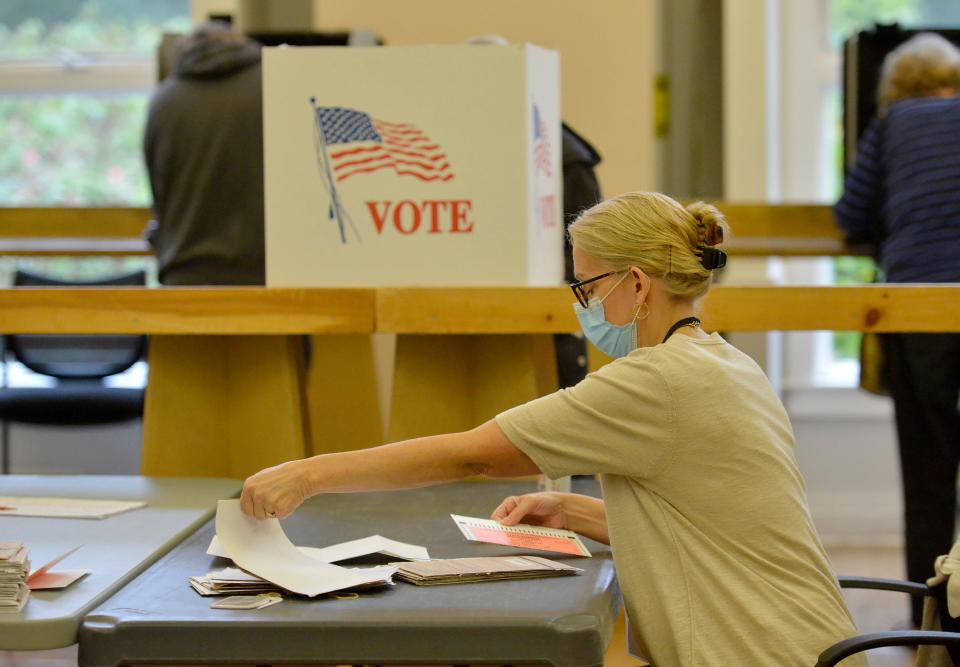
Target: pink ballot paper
{"x": 522, "y": 536}
{"x": 43, "y": 578}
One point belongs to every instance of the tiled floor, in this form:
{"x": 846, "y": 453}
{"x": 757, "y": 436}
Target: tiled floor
{"x": 64, "y": 657}
{"x": 874, "y": 611}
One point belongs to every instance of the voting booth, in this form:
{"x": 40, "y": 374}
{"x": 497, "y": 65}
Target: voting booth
{"x": 420, "y": 166}
{"x": 412, "y": 166}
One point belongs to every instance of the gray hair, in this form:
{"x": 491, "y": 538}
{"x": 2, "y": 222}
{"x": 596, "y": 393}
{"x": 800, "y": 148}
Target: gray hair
{"x": 923, "y": 66}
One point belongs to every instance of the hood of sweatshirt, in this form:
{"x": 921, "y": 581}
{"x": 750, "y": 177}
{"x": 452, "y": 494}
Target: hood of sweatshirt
{"x": 212, "y": 59}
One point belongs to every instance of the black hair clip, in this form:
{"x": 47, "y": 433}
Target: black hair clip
{"x": 712, "y": 258}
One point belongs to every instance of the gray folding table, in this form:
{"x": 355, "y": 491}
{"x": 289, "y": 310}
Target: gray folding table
{"x": 115, "y": 549}
{"x": 566, "y": 621}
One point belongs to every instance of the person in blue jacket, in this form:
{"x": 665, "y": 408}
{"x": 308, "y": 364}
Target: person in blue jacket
{"x": 903, "y": 196}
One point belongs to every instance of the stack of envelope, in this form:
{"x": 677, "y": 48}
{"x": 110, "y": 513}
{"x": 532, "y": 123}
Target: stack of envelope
{"x": 231, "y": 581}
{"x": 234, "y": 581}
{"x": 473, "y": 570}
{"x": 14, "y": 570}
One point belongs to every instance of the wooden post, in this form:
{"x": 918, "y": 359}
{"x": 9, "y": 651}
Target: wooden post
{"x": 449, "y": 383}
{"x": 342, "y": 394}
{"x": 223, "y": 406}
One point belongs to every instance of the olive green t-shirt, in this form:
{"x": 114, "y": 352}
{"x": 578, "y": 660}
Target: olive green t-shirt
{"x": 715, "y": 550}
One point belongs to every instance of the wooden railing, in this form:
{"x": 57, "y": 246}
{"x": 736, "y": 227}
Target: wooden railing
{"x": 265, "y": 311}
{"x": 73, "y": 231}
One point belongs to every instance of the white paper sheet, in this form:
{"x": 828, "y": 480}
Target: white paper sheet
{"x": 377, "y": 573}
{"x": 365, "y": 546}
{"x": 215, "y": 549}
{"x": 375, "y": 544}
{"x": 65, "y": 508}
{"x": 263, "y": 549}
{"x": 382, "y": 573}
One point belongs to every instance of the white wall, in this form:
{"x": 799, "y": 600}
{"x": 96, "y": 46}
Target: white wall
{"x": 607, "y": 60}
{"x": 607, "y": 50}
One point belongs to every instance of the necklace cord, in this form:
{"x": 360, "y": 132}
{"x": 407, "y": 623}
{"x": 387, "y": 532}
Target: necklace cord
{"x": 692, "y": 321}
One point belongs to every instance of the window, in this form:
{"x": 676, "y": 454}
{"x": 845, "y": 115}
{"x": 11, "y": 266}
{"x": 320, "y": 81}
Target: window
{"x": 75, "y": 77}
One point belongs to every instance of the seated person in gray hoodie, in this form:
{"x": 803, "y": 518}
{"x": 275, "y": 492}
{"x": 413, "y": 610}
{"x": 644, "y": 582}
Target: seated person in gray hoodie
{"x": 204, "y": 153}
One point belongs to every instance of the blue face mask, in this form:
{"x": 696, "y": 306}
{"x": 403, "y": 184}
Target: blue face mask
{"x": 614, "y": 341}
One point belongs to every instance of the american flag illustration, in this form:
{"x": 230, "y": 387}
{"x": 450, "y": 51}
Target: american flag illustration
{"x": 542, "y": 159}
{"x": 357, "y": 144}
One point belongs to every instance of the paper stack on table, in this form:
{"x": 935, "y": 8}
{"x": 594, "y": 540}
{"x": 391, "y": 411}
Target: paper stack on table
{"x": 14, "y": 570}
{"x": 234, "y": 581}
{"x": 231, "y": 581}
{"x": 263, "y": 550}
{"x": 471, "y": 570}
{"x": 65, "y": 508}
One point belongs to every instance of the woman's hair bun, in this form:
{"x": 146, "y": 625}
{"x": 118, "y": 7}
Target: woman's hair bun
{"x": 711, "y": 224}
{"x": 710, "y": 221}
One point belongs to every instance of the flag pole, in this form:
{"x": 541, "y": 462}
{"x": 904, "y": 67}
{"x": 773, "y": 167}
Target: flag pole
{"x": 336, "y": 210}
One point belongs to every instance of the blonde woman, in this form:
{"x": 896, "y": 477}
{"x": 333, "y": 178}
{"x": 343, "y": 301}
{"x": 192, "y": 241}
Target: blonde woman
{"x": 903, "y": 196}
{"x": 703, "y": 505}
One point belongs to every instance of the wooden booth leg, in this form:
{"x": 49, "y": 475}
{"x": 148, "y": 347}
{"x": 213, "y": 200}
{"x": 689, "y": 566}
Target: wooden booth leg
{"x": 449, "y": 383}
{"x": 223, "y": 406}
{"x": 342, "y": 394}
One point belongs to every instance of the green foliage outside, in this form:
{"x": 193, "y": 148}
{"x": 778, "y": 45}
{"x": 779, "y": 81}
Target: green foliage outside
{"x": 72, "y": 150}
{"x": 78, "y": 149}
{"x": 56, "y": 28}
{"x": 847, "y": 17}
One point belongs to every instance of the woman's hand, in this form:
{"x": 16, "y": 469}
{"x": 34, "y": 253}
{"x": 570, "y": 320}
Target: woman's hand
{"x": 275, "y": 492}
{"x": 538, "y": 509}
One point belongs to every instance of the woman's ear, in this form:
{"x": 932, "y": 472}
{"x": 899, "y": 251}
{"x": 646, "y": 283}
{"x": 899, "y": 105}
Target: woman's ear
{"x": 642, "y": 283}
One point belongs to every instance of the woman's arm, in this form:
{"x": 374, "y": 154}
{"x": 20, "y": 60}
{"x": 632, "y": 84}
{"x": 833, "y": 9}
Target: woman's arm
{"x": 485, "y": 450}
{"x": 586, "y": 515}
{"x": 581, "y": 514}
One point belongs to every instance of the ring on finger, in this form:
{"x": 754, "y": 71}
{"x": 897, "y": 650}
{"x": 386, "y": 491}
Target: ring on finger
{"x": 272, "y": 515}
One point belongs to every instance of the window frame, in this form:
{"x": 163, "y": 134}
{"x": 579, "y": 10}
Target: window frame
{"x": 53, "y": 77}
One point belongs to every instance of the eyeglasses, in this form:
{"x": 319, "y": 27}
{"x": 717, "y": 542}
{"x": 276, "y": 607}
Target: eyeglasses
{"x": 577, "y": 287}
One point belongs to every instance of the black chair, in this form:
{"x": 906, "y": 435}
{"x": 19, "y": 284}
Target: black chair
{"x": 79, "y": 363}
{"x": 949, "y": 638}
